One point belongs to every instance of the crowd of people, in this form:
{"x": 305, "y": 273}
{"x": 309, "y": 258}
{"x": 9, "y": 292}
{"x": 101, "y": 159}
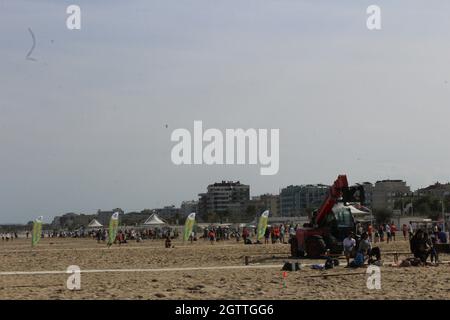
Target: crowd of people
{"x": 123, "y": 236}
{"x": 360, "y": 248}
{"x": 9, "y": 236}
{"x": 273, "y": 234}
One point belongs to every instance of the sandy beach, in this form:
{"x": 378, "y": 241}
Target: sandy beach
{"x": 201, "y": 271}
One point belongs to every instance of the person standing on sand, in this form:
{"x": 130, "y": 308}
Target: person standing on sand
{"x": 211, "y": 236}
{"x": 410, "y": 230}
{"x": 276, "y": 233}
{"x": 405, "y": 231}
{"x": 381, "y": 232}
{"x": 168, "y": 242}
{"x": 245, "y": 234}
{"x": 292, "y": 232}
{"x": 388, "y": 232}
{"x": 267, "y": 235}
{"x": 369, "y": 232}
{"x": 393, "y": 230}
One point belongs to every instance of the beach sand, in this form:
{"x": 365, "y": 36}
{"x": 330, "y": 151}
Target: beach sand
{"x": 261, "y": 279}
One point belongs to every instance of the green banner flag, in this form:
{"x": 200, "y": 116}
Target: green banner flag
{"x": 262, "y": 224}
{"x": 37, "y": 231}
{"x": 113, "y": 226}
{"x": 188, "y": 226}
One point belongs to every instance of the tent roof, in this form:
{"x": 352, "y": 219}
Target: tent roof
{"x": 94, "y": 224}
{"x": 154, "y": 220}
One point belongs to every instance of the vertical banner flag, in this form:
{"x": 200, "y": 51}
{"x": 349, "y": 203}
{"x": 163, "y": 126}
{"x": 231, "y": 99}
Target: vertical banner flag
{"x": 188, "y": 226}
{"x": 37, "y": 230}
{"x": 113, "y": 226}
{"x": 262, "y": 224}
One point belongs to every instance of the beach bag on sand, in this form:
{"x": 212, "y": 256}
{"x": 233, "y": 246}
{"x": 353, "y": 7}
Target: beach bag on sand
{"x": 290, "y": 266}
{"x": 410, "y": 262}
{"x": 405, "y": 264}
{"x": 331, "y": 263}
{"x": 318, "y": 267}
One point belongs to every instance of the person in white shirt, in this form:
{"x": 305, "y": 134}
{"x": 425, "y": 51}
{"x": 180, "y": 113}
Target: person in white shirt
{"x": 410, "y": 230}
{"x": 387, "y": 227}
{"x": 349, "y": 244}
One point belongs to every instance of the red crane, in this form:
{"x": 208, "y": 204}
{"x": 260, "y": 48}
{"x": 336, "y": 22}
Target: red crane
{"x": 328, "y": 227}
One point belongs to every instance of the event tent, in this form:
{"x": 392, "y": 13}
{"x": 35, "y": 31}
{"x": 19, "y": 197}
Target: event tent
{"x": 154, "y": 220}
{"x": 94, "y": 224}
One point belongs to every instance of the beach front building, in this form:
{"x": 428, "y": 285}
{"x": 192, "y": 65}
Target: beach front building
{"x": 387, "y": 192}
{"x": 188, "y": 207}
{"x": 437, "y": 190}
{"x": 267, "y": 201}
{"x": 299, "y": 200}
{"x": 226, "y": 199}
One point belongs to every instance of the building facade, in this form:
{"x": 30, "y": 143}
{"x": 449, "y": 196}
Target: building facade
{"x": 387, "y": 192}
{"x": 167, "y": 212}
{"x": 188, "y": 207}
{"x": 264, "y": 202}
{"x": 368, "y": 194}
{"x": 437, "y": 190}
{"x": 224, "y": 198}
{"x": 298, "y": 200}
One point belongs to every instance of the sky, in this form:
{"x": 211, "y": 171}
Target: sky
{"x": 87, "y": 125}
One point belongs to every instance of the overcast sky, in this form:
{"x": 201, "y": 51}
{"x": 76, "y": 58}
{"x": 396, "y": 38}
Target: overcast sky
{"x": 84, "y": 126}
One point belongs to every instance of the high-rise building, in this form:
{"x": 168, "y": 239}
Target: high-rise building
{"x": 368, "y": 193}
{"x": 224, "y": 198}
{"x": 298, "y": 200}
{"x": 387, "y": 192}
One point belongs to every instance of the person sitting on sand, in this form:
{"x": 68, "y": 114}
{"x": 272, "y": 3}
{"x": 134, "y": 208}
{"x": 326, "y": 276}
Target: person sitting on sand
{"x": 442, "y": 236}
{"x": 375, "y": 252}
{"x": 358, "y": 261}
{"x": 420, "y": 246}
{"x": 365, "y": 246}
{"x": 349, "y": 244}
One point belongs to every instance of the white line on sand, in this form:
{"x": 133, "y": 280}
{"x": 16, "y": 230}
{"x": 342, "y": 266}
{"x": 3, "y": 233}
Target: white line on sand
{"x": 11, "y": 273}
{"x": 113, "y": 248}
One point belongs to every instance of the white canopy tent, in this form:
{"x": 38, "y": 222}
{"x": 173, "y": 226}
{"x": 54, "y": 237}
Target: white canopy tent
{"x": 154, "y": 220}
{"x": 94, "y": 224}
